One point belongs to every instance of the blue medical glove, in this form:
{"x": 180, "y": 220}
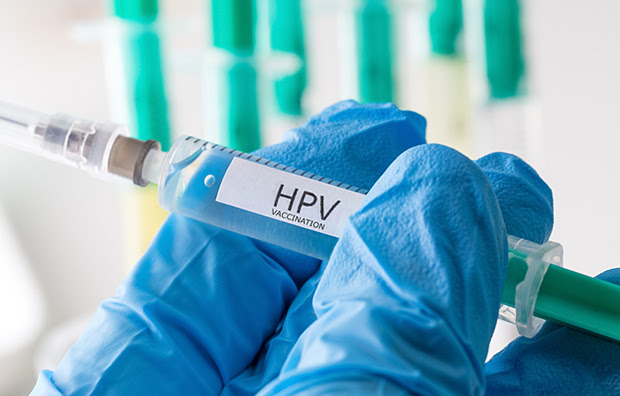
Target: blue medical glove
{"x": 200, "y": 304}
{"x": 557, "y": 361}
{"x": 409, "y": 299}
{"x": 526, "y": 205}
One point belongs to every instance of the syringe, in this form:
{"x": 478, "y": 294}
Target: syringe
{"x": 293, "y": 209}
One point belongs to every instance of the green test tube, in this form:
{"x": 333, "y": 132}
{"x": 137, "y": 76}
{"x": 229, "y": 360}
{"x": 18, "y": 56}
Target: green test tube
{"x": 445, "y": 25}
{"x": 233, "y": 24}
{"x": 504, "y": 56}
{"x": 444, "y": 80}
{"x": 560, "y": 295}
{"x": 373, "y": 38}
{"x": 144, "y": 77}
{"x": 135, "y": 10}
{"x": 286, "y": 35}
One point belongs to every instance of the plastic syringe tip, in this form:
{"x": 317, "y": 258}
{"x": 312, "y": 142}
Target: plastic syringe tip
{"x": 63, "y": 138}
{"x": 22, "y": 128}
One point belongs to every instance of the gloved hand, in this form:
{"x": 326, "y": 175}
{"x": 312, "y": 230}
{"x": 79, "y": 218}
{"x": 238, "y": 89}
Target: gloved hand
{"x": 202, "y": 301}
{"x": 409, "y": 299}
{"x": 407, "y": 302}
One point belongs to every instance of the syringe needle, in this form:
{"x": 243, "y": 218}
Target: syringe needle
{"x": 13, "y": 121}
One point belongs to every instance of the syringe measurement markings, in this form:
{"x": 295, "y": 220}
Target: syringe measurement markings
{"x": 279, "y": 166}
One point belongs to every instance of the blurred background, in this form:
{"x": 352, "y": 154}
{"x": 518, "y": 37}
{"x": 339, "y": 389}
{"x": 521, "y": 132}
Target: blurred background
{"x": 538, "y": 79}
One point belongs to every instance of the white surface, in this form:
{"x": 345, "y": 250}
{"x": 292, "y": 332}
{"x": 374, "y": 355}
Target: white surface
{"x": 66, "y": 222}
{"x": 576, "y": 76}
{"x": 17, "y": 284}
{"x": 21, "y": 307}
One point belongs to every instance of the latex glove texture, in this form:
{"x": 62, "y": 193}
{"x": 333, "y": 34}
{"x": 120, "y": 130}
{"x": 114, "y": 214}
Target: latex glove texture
{"x": 200, "y": 304}
{"x": 409, "y": 299}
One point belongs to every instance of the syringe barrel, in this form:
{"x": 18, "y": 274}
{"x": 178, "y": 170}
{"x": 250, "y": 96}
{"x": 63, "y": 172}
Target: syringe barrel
{"x": 303, "y": 212}
{"x": 285, "y": 206}
{"x": 256, "y": 197}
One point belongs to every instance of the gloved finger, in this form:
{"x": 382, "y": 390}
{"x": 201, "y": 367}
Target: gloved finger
{"x": 521, "y": 193}
{"x": 274, "y": 352}
{"x": 524, "y": 198}
{"x": 201, "y": 302}
{"x": 410, "y": 296}
{"x": 558, "y": 360}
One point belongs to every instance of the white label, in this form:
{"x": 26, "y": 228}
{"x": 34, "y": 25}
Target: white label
{"x": 287, "y": 197}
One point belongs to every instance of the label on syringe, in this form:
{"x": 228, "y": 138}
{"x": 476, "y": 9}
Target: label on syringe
{"x": 288, "y": 197}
